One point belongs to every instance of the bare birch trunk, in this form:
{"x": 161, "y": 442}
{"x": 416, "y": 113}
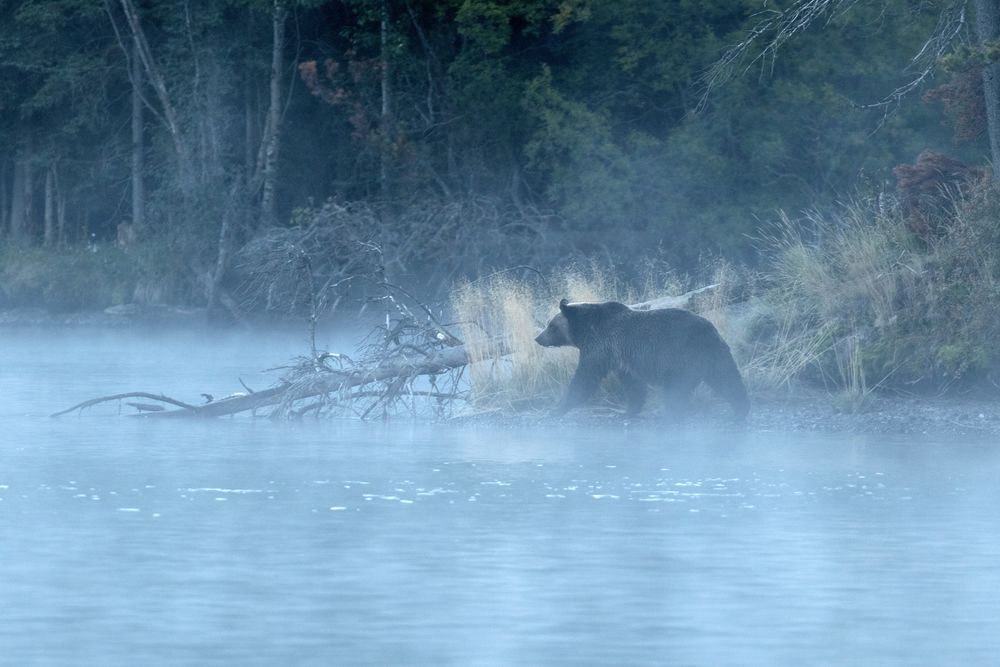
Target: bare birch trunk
{"x": 272, "y": 135}
{"x": 27, "y": 229}
{"x": 49, "y": 235}
{"x": 4, "y": 200}
{"x": 17, "y": 206}
{"x": 138, "y": 148}
{"x": 385, "y": 122}
{"x": 988, "y": 29}
{"x": 249, "y": 127}
{"x": 60, "y": 208}
{"x": 169, "y": 112}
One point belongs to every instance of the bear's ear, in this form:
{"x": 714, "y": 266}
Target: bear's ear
{"x": 563, "y": 304}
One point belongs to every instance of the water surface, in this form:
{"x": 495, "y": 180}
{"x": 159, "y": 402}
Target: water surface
{"x": 247, "y": 542}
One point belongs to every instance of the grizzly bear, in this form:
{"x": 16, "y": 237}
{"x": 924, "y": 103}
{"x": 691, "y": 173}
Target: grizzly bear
{"x": 669, "y": 348}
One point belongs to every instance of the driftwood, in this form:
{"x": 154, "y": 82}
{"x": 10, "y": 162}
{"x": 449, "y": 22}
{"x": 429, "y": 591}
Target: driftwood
{"x": 133, "y": 394}
{"x": 409, "y": 351}
{"x": 333, "y": 382}
{"x": 671, "y": 301}
{"x": 322, "y": 381}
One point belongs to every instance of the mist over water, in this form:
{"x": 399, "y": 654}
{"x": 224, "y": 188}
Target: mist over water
{"x": 242, "y": 541}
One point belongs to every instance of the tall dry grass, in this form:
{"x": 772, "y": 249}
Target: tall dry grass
{"x": 876, "y": 307}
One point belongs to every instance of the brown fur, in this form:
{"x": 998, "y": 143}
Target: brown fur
{"x": 670, "y": 348}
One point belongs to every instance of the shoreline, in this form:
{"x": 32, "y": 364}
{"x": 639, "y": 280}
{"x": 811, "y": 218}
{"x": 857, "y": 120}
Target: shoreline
{"x": 807, "y": 410}
{"x": 817, "y": 411}
{"x": 802, "y": 409}
{"x": 113, "y": 317}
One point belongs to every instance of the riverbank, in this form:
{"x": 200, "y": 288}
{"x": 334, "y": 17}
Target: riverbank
{"x": 816, "y": 410}
{"x": 113, "y": 317}
{"x": 803, "y": 409}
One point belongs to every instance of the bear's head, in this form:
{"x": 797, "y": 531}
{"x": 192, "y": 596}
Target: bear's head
{"x": 557, "y": 333}
{"x": 578, "y": 323}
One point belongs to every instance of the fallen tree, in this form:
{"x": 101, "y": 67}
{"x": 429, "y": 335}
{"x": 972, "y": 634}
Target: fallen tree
{"x": 411, "y": 358}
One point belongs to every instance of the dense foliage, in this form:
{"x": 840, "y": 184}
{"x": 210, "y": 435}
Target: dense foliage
{"x": 519, "y": 131}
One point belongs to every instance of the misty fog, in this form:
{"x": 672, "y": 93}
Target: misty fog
{"x": 272, "y": 384}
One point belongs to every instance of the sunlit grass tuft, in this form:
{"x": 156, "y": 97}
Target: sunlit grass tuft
{"x": 498, "y": 319}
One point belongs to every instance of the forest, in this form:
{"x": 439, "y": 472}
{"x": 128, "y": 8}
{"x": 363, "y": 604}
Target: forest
{"x": 260, "y": 159}
{"x": 457, "y": 136}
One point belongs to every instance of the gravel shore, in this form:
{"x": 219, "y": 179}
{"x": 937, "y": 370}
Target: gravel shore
{"x": 818, "y": 411}
{"x": 804, "y": 409}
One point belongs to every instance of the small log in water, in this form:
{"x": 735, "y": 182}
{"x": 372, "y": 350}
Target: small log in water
{"x": 397, "y": 368}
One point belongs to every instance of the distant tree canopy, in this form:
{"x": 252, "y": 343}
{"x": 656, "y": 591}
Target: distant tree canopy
{"x": 196, "y": 125}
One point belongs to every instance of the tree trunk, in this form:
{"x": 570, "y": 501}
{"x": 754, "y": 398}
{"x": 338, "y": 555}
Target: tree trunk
{"x": 60, "y": 208}
{"x": 17, "y": 206}
{"x": 988, "y": 29}
{"x": 210, "y": 118}
{"x": 385, "y": 122}
{"x": 49, "y": 237}
{"x": 249, "y": 127}
{"x": 169, "y": 115}
{"x": 138, "y": 148}
{"x": 272, "y": 134}
{"x": 213, "y": 280}
{"x": 28, "y": 229}
{"x": 4, "y": 201}
{"x": 198, "y": 129}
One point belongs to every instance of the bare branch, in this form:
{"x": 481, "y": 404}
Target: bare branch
{"x": 136, "y": 85}
{"x": 442, "y": 333}
{"x": 774, "y": 28}
{"x": 760, "y": 46}
{"x": 132, "y": 394}
{"x": 155, "y": 78}
{"x": 950, "y": 26}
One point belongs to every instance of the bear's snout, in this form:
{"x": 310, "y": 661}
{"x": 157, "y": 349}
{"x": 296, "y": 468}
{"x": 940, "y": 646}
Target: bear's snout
{"x": 545, "y": 339}
{"x": 556, "y": 334}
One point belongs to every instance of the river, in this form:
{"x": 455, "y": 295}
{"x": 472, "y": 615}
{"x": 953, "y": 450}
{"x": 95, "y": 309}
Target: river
{"x": 141, "y": 542}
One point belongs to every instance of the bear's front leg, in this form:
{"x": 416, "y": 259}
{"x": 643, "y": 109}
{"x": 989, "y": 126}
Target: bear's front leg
{"x": 585, "y": 382}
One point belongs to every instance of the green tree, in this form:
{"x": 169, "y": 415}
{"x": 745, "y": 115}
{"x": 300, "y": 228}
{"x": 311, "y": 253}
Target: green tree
{"x": 760, "y": 45}
{"x": 56, "y": 114}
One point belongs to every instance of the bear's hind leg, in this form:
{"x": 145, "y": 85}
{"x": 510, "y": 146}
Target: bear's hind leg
{"x": 728, "y": 383}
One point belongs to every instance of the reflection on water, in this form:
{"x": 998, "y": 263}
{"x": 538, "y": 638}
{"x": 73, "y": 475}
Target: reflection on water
{"x": 235, "y": 542}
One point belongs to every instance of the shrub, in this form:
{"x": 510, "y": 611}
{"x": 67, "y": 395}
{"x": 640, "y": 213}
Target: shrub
{"x": 66, "y": 279}
{"x": 918, "y": 314}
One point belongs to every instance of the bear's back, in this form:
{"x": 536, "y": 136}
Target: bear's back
{"x": 675, "y": 317}
{"x": 615, "y": 325}
{"x": 673, "y": 328}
